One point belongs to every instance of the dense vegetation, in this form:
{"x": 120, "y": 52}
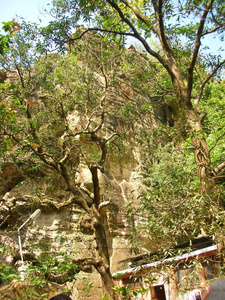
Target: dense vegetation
{"x": 170, "y": 87}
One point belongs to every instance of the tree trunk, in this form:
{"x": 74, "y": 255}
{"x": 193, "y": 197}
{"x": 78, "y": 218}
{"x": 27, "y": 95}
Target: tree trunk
{"x": 204, "y": 168}
{"x": 107, "y": 281}
{"x": 184, "y": 107}
{"x": 100, "y": 226}
{"x": 201, "y": 153}
{"x": 194, "y": 125}
{"x": 103, "y": 258}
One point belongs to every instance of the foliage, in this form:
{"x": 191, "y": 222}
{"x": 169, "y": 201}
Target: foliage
{"x": 128, "y": 291}
{"x": 172, "y": 205}
{"x": 57, "y": 267}
{"x": 214, "y": 121}
{"x": 47, "y": 267}
{"x": 5, "y": 39}
{"x": 71, "y": 111}
{"x": 106, "y": 297}
{"x": 64, "y": 85}
{"x": 61, "y": 112}
{"x": 88, "y": 286}
{"x": 180, "y": 28}
{"x": 7, "y": 273}
{"x": 124, "y": 291}
{"x": 125, "y": 19}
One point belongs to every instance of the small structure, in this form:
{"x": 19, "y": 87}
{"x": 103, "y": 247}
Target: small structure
{"x": 181, "y": 272}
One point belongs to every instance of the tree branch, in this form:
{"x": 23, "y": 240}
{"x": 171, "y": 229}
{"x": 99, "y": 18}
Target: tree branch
{"x": 65, "y": 158}
{"x": 100, "y": 30}
{"x": 4, "y": 221}
{"x": 168, "y": 51}
{"x": 212, "y": 30}
{"x": 216, "y": 142}
{"x": 136, "y": 34}
{"x": 43, "y": 156}
{"x": 137, "y": 12}
{"x": 218, "y": 169}
{"x": 207, "y": 80}
{"x": 196, "y": 49}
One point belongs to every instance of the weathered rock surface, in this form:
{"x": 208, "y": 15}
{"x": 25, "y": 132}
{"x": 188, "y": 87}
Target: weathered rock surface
{"x": 63, "y": 227}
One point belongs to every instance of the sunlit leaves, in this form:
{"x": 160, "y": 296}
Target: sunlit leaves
{"x": 10, "y": 28}
{"x": 214, "y": 123}
{"x": 172, "y": 205}
{"x": 180, "y": 15}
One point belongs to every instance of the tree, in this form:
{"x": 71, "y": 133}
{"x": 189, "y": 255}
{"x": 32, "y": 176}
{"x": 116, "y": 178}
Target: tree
{"x": 63, "y": 112}
{"x": 174, "y": 24}
{"x": 172, "y": 204}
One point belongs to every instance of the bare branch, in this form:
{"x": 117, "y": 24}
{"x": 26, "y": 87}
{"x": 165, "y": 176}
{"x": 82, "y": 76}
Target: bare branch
{"x": 65, "y": 158}
{"x": 111, "y": 137}
{"x": 215, "y": 20}
{"x": 66, "y": 203}
{"x": 86, "y": 191}
{"x": 100, "y": 30}
{"x": 88, "y": 124}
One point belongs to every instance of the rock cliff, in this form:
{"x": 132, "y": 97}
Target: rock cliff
{"x": 105, "y": 158}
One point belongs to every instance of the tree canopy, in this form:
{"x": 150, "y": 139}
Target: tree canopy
{"x": 180, "y": 28}
{"x": 66, "y": 113}
{"x": 98, "y": 93}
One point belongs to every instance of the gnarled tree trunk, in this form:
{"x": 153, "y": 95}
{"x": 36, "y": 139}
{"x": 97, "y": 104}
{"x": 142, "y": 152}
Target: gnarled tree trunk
{"x": 201, "y": 154}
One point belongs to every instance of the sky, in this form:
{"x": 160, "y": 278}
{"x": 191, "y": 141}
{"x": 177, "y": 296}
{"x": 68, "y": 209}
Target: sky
{"x": 33, "y": 10}
{"x": 30, "y": 10}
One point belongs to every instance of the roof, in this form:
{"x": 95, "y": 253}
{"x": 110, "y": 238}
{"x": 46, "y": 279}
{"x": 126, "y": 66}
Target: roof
{"x": 208, "y": 251}
{"x": 194, "y": 244}
{"x": 203, "y": 246}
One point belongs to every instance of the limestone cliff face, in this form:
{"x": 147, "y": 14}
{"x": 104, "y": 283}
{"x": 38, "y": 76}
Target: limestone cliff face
{"x": 65, "y": 229}
{"x": 63, "y": 226}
